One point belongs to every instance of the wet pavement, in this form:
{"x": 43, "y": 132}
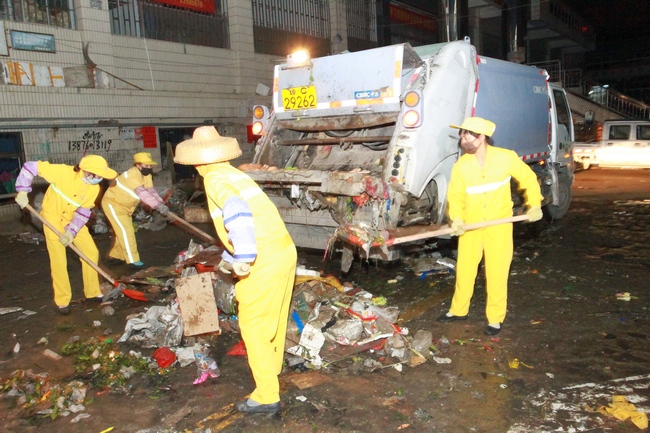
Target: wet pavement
{"x": 574, "y": 343}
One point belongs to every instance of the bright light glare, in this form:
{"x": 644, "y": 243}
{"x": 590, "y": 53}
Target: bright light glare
{"x": 411, "y": 118}
{"x": 257, "y": 128}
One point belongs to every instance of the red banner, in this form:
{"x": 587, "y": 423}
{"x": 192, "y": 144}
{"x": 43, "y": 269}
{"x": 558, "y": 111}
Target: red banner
{"x": 206, "y": 6}
{"x": 408, "y": 16}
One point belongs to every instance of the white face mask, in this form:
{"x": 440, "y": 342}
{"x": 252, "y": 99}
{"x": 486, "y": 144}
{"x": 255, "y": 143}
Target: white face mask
{"x": 93, "y": 180}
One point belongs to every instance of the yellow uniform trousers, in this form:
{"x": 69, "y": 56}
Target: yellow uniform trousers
{"x": 495, "y": 243}
{"x": 125, "y": 246}
{"x": 264, "y": 297}
{"x": 59, "y": 262}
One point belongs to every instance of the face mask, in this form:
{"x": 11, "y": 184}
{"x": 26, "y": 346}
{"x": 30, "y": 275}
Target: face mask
{"x": 146, "y": 171}
{"x": 94, "y": 180}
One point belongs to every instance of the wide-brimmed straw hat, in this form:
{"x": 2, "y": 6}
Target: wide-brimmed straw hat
{"x": 478, "y": 125}
{"x": 206, "y": 147}
{"x": 97, "y": 165}
{"x": 143, "y": 158}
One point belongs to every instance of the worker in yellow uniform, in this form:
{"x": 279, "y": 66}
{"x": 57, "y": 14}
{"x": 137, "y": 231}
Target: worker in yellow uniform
{"x": 479, "y": 190}
{"x": 260, "y": 252}
{"x": 120, "y": 200}
{"x": 67, "y": 206}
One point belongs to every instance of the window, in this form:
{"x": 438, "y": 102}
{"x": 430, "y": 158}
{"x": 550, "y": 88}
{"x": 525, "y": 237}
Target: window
{"x": 164, "y": 20}
{"x": 643, "y": 132}
{"x": 282, "y": 26}
{"x": 57, "y": 13}
{"x": 619, "y": 132}
{"x": 10, "y": 162}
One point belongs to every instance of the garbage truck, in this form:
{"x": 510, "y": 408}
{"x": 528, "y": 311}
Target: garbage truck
{"x": 357, "y": 149}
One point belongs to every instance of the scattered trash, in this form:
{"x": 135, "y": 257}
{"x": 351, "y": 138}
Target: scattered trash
{"x": 205, "y": 365}
{"x": 157, "y": 327}
{"x": 441, "y": 360}
{"x": 31, "y": 238}
{"x": 43, "y": 340}
{"x": 164, "y": 357}
{"x": 516, "y": 363}
{"x": 52, "y": 355}
{"x": 624, "y": 296}
{"x": 301, "y": 398}
{"x": 9, "y": 310}
{"x": 97, "y": 323}
{"x": 17, "y": 348}
{"x": 79, "y": 417}
{"x": 100, "y": 226}
{"x": 108, "y": 310}
{"x": 621, "y": 409}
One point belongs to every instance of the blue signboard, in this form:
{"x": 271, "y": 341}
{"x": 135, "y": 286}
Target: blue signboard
{"x": 32, "y": 41}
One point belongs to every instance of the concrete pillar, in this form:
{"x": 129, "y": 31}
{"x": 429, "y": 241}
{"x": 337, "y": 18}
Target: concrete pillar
{"x": 454, "y": 16}
{"x": 242, "y": 44}
{"x": 515, "y": 32}
{"x": 92, "y": 19}
{"x": 338, "y": 26}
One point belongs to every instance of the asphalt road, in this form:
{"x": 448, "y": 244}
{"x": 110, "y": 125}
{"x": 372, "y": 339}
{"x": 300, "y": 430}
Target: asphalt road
{"x": 577, "y": 344}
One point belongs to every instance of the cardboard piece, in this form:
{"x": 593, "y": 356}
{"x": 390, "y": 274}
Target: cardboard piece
{"x": 198, "y": 306}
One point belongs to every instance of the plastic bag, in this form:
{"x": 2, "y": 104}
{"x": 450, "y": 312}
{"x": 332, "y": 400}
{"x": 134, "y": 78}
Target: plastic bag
{"x": 205, "y": 365}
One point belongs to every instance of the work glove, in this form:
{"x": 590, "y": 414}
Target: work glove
{"x": 66, "y": 238}
{"x": 22, "y": 199}
{"x": 239, "y": 268}
{"x": 534, "y": 213}
{"x": 458, "y": 225}
{"x": 163, "y": 209}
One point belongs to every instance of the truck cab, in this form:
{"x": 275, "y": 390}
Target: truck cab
{"x": 624, "y": 143}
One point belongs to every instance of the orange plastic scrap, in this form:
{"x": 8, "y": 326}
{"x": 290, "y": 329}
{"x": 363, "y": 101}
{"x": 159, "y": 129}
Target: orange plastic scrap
{"x": 621, "y": 409}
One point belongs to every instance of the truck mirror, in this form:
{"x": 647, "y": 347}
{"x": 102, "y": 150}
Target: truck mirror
{"x": 589, "y": 119}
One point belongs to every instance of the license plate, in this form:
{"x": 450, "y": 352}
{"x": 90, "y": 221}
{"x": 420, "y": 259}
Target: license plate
{"x": 299, "y": 98}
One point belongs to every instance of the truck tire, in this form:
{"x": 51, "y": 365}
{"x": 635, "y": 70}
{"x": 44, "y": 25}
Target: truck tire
{"x": 556, "y": 212}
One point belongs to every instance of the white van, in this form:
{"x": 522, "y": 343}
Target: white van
{"x": 624, "y": 143}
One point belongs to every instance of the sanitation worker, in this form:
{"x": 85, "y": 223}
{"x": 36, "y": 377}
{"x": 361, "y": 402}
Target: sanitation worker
{"x": 479, "y": 190}
{"x": 67, "y": 206}
{"x": 260, "y": 252}
{"x": 120, "y": 200}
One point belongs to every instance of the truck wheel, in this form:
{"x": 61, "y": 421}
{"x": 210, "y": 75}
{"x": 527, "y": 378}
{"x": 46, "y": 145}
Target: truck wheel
{"x": 557, "y": 212}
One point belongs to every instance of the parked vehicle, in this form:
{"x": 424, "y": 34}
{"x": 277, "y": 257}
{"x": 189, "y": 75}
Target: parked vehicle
{"x": 623, "y": 143}
{"x": 358, "y": 146}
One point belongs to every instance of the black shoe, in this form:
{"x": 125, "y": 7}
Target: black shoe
{"x": 243, "y": 406}
{"x": 64, "y": 311}
{"x": 112, "y": 261}
{"x": 445, "y": 318}
{"x": 97, "y": 299}
{"x": 491, "y": 330}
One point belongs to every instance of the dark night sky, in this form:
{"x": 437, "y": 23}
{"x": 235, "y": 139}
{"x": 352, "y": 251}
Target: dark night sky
{"x": 617, "y": 20}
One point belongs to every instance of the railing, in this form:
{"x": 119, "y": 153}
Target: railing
{"x": 603, "y": 95}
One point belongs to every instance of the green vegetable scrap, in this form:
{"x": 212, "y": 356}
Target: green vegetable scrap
{"x": 102, "y": 363}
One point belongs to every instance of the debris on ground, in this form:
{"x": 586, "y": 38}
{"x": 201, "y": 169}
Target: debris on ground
{"x": 31, "y": 238}
{"x": 159, "y": 326}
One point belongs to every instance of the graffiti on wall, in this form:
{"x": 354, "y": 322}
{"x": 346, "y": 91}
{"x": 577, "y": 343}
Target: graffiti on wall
{"x": 91, "y": 140}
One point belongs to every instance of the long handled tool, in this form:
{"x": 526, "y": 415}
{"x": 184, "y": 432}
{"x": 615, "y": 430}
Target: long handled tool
{"x": 448, "y": 230}
{"x": 119, "y": 286}
{"x": 355, "y": 240}
{"x": 190, "y": 226}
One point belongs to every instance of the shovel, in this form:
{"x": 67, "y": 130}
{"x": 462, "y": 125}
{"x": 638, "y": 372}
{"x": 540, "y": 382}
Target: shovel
{"x": 118, "y": 286}
{"x": 191, "y": 227}
{"x": 355, "y": 240}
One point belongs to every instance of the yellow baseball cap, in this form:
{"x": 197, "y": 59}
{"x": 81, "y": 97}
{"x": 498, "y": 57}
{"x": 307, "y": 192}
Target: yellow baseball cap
{"x": 478, "y": 125}
{"x": 97, "y": 165}
{"x": 143, "y": 158}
